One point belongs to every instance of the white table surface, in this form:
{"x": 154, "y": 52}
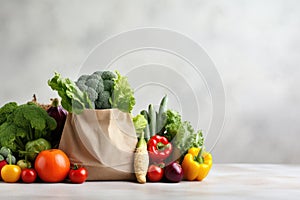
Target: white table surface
{"x": 225, "y": 181}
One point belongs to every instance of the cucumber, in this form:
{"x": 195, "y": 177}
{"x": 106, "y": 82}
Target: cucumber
{"x": 152, "y": 117}
{"x": 161, "y": 118}
{"x": 156, "y": 127}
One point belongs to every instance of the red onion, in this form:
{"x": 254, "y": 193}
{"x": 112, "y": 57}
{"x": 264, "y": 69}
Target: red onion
{"x": 174, "y": 172}
{"x": 60, "y": 115}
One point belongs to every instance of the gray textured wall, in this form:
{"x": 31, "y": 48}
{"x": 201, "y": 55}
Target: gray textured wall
{"x": 254, "y": 44}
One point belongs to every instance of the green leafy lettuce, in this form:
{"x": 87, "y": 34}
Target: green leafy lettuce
{"x": 181, "y": 133}
{"x": 140, "y": 123}
{"x": 173, "y": 124}
{"x": 122, "y": 95}
{"x": 72, "y": 98}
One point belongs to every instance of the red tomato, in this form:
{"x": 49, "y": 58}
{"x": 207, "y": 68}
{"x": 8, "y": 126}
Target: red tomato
{"x": 52, "y": 165}
{"x": 78, "y": 175}
{"x": 2, "y": 164}
{"x": 155, "y": 173}
{"x": 28, "y": 175}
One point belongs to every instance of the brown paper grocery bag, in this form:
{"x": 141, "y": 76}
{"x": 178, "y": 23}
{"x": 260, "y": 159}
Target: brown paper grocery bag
{"x": 103, "y": 141}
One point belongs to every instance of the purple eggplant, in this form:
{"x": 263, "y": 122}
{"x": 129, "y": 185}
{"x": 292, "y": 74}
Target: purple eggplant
{"x": 173, "y": 172}
{"x": 60, "y": 115}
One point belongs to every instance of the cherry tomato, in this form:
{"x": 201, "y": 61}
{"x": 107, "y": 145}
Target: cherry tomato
{"x": 78, "y": 174}
{"x": 28, "y": 175}
{"x": 155, "y": 173}
{"x": 10, "y": 173}
{"x": 52, "y": 165}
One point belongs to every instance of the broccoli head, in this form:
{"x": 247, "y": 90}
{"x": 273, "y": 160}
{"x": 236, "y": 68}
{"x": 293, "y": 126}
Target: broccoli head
{"x": 6, "y": 110}
{"x": 26, "y": 123}
{"x": 98, "y": 86}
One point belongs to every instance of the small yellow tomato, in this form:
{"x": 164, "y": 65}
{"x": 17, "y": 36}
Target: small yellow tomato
{"x": 11, "y": 173}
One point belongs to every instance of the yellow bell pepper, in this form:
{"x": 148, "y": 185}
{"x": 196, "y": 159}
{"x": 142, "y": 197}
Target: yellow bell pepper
{"x": 196, "y": 164}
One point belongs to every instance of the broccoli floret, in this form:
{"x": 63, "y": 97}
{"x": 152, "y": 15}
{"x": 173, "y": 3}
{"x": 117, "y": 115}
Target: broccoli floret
{"x": 103, "y": 100}
{"x": 81, "y": 85}
{"x": 108, "y": 75}
{"x": 93, "y": 95}
{"x": 98, "y": 86}
{"x": 83, "y": 78}
{"x": 98, "y": 73}
{"x": 108, "y": 85}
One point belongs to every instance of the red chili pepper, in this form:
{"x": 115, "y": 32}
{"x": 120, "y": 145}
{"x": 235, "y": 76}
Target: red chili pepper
{"x": 159, "y": 148}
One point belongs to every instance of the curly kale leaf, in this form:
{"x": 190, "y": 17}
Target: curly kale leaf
{"x": 187, "y": 138}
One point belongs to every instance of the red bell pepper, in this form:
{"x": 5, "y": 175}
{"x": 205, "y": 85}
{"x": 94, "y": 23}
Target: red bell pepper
{"x": 159, "y": 148}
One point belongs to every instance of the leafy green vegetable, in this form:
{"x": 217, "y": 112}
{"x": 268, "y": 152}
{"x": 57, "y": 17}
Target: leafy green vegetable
{"x": 6, "y": 110}
{"x": 73, "y": 99}
{"x": 122, "y": 95}
{"x": 26, "y": 123}
{"x": 32, "y": 148}
{"x": 173, "y": 124}
{"x": 140, "y": 123}
{"x": 98, "y": 86}
{"x": 187, "y": 138}
{"x": 181, "y": 132}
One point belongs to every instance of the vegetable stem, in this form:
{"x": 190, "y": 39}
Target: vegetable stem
{"x": 9, "y": 159}
{"x": 141, "y": 141}
{"x": 19, "y": 143}
{"x": 55, "y": 102}
{"x": 199, "y": 157}
{"x": 30, "y": 135}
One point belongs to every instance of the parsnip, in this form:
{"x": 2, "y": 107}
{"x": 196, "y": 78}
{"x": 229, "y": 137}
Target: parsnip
{"x": 141, "y": 160}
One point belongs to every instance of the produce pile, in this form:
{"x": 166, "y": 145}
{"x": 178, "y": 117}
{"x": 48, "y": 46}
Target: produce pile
{"x": 168, "y": 148}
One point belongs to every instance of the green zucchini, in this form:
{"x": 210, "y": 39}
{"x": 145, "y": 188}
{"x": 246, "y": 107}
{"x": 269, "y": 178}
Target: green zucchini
{"x": 146, "y": 130}
{"x": 161, "y": 117}
{"x": 152, "y": 117}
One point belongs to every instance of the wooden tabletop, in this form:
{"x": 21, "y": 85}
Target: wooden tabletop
{"x": 225, "y": 181}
